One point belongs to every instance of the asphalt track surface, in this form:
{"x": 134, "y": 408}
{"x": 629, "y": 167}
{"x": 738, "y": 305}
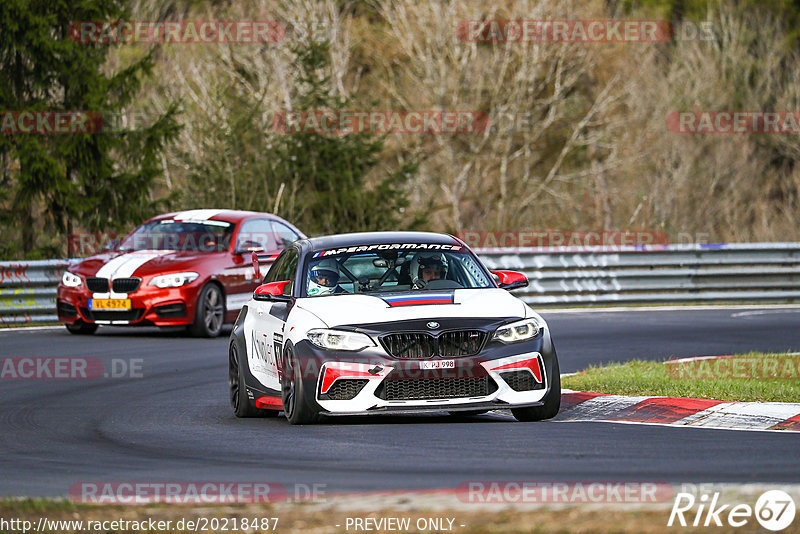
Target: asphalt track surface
{"x": 174, "y": 423}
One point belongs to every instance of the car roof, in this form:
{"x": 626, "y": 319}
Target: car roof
{"x": 198, "y": 215}
{"x": 377, "y": 238}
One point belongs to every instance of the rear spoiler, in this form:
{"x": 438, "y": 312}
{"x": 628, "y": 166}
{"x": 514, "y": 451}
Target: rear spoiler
{"x": 262, "y": 258}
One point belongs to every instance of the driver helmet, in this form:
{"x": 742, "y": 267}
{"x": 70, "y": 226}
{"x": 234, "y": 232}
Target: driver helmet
{"x": 428, "y": 260}
{"x": 323, "y": 277}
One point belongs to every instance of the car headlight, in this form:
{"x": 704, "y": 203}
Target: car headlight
{"x": 173, "y": 280}
{"x": 71, "y": 280}
{"x": 339, "y": 339}
{"x": 518, "y": 331}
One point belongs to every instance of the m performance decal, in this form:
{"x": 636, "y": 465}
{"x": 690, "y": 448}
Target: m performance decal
{"x": 417, "y": 300}
{"x": 387, "y": 246}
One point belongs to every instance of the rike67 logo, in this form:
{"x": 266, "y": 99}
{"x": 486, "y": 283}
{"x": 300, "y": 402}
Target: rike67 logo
{"x": 774, "y": 510}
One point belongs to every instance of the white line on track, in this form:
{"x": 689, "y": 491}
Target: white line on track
{"x": 29, "y": 329}
{"x": 761, "y": 312}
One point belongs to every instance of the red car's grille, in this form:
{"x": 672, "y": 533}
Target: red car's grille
{"x": 97, "y": 285}
{"x": 125, "y": 285}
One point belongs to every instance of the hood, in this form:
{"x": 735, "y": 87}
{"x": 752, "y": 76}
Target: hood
{"x": 138, "y": 263}
{"x": 335, "y": 310}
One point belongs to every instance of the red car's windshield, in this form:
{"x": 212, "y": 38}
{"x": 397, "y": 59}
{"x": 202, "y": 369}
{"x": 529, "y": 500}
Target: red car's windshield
{"x": 205, "y": 236}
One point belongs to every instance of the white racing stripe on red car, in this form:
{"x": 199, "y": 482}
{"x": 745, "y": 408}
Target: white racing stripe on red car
{"x": 124, "y": 266}
{"x": 195, "y": 215}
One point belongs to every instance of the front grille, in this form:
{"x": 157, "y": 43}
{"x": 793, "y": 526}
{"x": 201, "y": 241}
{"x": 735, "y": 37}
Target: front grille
{"x": 122, "y": 315}
{"x": 421, "y": 345}
{"x": 410, "y": 346}
{"x": 97, "y": 285}
{"x": 125, "y": 285}
{"x": 435, "y": 388}
{"x": 346, "y": 389}
{"x": 66, "y": 309}
{"x": 521, "y": 380}
{"x": 461, "y": 343}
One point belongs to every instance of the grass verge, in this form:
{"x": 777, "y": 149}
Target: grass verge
{"x": 731, "y": 379}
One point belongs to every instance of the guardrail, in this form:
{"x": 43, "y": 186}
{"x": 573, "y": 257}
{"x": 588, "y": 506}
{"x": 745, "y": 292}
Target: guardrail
{"x": 28, "y": 291}
{"x": 559, "y": 276}
{"x": 655, "y": 274}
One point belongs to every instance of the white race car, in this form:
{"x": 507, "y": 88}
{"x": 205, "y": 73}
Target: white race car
{"x": 389, "y": 322}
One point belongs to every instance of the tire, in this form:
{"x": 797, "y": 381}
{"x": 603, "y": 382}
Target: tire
{"x": 468, "y": 413}
{"x": 297, "y": 407}
{"x": 240, "y": 402}
{"x": 552, "y": 402}
{"x": 80, "y": 328}
{"x": 209, "y": 314}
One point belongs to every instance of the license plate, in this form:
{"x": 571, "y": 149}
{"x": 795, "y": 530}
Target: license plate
{"x": 438, "y": 364}
{"x": 109, "y": 304}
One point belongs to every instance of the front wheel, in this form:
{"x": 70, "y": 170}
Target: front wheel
{"x": 240, "y": 402}
{"x": 82, "y": 329}
{"x": 552, "y": 402}
{"x": 297, "y": 406}
{"x": 209, "y": 312}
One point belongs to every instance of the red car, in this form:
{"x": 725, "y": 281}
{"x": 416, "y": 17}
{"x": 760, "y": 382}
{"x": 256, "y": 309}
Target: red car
{"x": 194, "y": 268}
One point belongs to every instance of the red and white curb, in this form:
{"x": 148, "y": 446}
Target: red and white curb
{"x": 676, "y": 411}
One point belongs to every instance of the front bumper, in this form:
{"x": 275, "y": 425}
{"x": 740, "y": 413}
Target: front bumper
{"x": 149, "y": 306}
{"x": 500, "y": 376}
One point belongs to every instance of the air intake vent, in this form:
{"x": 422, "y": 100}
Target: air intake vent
{"x": 521, "y": 380}
{"x": 435, "y": 388}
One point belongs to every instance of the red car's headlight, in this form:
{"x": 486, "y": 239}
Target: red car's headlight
{"x": 71, "y": 280}
{"x": 173, "y": 280}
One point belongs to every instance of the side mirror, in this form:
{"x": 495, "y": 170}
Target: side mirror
{"x": 272, "y": 291}
{"x": 248, "y": 246}
{"x": 511, "y": 279}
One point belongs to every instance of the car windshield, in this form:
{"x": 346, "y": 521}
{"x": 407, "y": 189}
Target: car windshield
{"x": 185, "y": 236}
{"x": 417, "y": 267}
